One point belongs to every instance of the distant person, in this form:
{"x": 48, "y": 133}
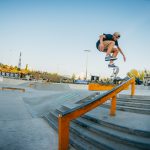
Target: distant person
{"x": 108, "y": 43}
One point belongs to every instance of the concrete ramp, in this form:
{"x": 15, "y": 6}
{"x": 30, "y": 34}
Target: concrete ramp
{"x": 43, "y": 104}
{"x": 51, "y": 86}
{"x": 13, "y": 81}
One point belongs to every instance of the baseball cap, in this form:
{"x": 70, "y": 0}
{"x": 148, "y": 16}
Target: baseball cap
{"x": 117, "y": 34}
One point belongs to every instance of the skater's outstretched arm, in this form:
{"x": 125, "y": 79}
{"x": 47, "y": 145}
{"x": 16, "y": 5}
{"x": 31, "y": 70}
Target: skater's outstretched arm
{"x": 124, "y": 57}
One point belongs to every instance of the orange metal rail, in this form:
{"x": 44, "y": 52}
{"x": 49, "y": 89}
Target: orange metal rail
{"x": 65, "y": 118}
{"x": 101, "y": 87}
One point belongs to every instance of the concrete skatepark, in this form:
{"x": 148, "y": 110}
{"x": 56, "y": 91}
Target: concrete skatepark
{"x": 28, "y": 120}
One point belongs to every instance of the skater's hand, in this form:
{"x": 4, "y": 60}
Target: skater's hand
{"x": 101, "y": 47}
{"x": 124, "y": 58}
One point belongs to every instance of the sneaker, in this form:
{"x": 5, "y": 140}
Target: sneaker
{"x": 109, "y": 57}
{"x": 112, "y": 65}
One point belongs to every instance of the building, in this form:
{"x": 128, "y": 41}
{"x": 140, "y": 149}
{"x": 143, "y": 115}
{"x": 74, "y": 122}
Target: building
{"x": 147, "y": 80}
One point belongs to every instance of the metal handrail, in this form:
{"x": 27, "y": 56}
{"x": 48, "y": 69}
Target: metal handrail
{"x": 65, "y": 117}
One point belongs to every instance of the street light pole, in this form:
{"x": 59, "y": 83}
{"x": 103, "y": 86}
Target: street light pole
{"x": 87, "y": 51}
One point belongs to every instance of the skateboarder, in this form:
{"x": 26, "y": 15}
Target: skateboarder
{"x": 108, "y": 43}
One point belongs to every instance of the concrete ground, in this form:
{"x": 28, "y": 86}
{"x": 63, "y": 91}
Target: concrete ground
{"x": 19, "y": 130}
{"x": 21, "y": 124}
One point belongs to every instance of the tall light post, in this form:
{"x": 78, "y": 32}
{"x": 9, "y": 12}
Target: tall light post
{"x": 87, "y": 51}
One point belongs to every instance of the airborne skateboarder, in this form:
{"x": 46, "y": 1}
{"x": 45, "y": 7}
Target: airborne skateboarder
{"x": 108, "y": 43}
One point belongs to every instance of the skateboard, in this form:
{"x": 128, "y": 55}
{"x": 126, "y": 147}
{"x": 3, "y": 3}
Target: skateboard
{"x": 115, "y": 71}
{"x": 115, "y": 79}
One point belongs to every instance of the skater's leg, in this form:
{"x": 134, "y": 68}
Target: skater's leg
{"x": 110, "y": 47}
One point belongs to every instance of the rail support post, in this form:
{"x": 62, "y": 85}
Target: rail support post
{"x": 133, "y": 88}
{"x": 113, "y": 106}
{"x": 63, "y": 130}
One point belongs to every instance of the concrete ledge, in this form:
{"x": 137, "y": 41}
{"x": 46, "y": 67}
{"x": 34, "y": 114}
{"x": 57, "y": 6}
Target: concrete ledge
{"x": 10, "y": 88}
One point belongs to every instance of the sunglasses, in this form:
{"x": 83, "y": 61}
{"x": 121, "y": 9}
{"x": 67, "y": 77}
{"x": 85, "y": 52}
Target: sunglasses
{"x": 117, "y": 36}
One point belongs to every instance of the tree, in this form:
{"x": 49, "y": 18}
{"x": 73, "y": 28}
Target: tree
{"x": 73, "y": 77}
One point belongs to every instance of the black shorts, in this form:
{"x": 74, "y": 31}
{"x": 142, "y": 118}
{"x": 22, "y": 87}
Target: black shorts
{"x": 97, "y": 43}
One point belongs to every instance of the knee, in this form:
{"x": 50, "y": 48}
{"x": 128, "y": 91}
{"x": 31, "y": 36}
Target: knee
{"x": 99, "y": 48}
{"x": 112, "y": 43}
{"x": 116, "y": 50}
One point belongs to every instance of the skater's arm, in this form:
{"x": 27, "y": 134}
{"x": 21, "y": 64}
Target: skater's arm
{"x": 101, "y": 37}
{"x": 124, "y": 57}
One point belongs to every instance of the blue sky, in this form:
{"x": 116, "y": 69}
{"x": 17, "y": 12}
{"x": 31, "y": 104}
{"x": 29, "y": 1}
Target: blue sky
{"x": 53, "y": 34}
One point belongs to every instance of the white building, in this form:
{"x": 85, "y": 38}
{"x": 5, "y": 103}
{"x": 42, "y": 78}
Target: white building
{"x": 147, "y": 80}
